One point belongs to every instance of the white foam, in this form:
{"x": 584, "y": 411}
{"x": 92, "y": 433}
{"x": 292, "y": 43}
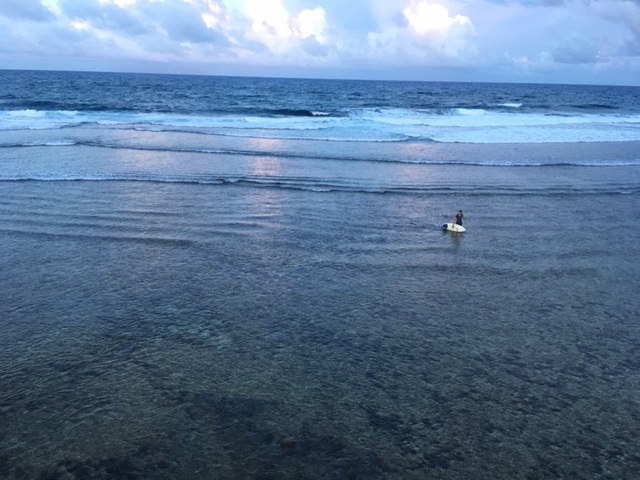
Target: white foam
{"x": 475, "y": 112}
{"x": 389, "y": 124}
{"x": 510, "y": 105}
{"x": 54, "y": 143}
{"x": 36, "y": 119}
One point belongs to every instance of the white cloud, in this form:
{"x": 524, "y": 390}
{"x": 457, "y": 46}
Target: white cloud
{"x": 120, "y": 3}
{"x": 300, "y": 35}
{"x": 270, "y": 19}
{"x": 425, "y": 18}
{"x": 429, "y": 34}
{"x": 312, "y": 23}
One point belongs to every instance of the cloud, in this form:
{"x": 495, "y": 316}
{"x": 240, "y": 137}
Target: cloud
{"x": 576, "y": 49}
{"x": 548, "y": 36}
{"x": 278, "y": 36}
{"x": 432, "y": 18}
{"x": 282, "y": 32}
{"x": 104, "y": 15}
{"x": 25, "y": 9}
{"x": 625, "y": 15}
{"x": 270, "y": 19}
{"x": 178, "y": 20}
{"x": 181, "y": 21}
{"x": 518, "y": 37}
{"x": 428, "y": 33}
{"x": 314, "y": 48}
{"x": 311, "y": 23}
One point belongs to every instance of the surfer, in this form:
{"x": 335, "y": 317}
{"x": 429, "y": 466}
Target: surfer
{"x": 456, "y": 224}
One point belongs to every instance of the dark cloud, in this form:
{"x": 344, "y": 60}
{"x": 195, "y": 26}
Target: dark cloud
{"x": 632, "y": 48}
{"x": 179, "y": 20}
{"x": 314, "y": 48}
{"x": 625, "y": 17}
{"x": 182, "y": 21}
{"x": 576, "y": 50}
{"x": 107, "y": 16}
{"x": 25, "y": 9}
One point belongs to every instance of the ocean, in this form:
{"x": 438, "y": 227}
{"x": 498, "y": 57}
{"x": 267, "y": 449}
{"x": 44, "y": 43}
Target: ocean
{"x": 246, "y": 278}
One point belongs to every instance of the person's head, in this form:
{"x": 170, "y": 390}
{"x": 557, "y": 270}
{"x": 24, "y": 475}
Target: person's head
{"x": 459, "y": 211}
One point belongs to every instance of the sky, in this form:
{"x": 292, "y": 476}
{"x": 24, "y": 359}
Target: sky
{"x": 546, "y": 41}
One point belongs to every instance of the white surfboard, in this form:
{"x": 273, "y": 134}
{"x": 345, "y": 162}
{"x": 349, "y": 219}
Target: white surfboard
{"x": 453, "y": 227}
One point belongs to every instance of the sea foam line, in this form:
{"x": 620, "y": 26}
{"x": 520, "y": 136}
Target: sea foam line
{"x": 462, "y": 159}
{"x": 326, "y": 186}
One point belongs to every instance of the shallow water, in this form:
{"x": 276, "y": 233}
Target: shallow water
{"x": 181, "y": 330}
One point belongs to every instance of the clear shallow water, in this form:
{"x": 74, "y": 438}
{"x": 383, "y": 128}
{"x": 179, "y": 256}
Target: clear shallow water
{"x": 176, "y": 313}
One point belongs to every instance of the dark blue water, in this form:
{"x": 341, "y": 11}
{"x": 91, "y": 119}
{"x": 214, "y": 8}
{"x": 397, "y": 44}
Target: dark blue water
{"x": 216, "y": 95}
{"x": 206, "y": 277}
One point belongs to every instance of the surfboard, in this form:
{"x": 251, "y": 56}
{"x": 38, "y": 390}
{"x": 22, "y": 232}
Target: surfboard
{"x": 453, "y": 227}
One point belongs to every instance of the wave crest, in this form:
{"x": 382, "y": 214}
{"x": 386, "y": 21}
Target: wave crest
{"x": 465, "y": 125}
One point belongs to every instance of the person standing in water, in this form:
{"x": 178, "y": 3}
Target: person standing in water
{"x": 459, "y": 218}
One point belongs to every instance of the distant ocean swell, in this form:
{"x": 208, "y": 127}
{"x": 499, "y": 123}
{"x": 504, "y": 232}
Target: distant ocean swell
{"x": 113, "y": 235}
{"x": 10, "y": 102}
